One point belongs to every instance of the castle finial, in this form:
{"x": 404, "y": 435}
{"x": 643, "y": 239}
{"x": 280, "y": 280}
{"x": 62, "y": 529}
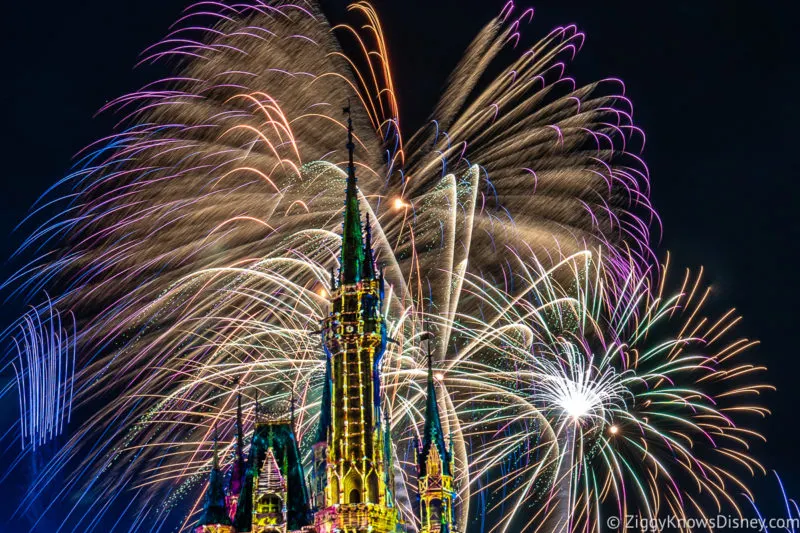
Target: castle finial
{"x": 350, "y": 144}
{"x": 352, "y": 245}
{"x": 215, "y": 512}
{"x": 433, "y": 434}
{"x": 215, "y": 464}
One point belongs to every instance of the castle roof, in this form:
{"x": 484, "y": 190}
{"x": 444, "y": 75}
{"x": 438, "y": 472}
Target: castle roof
{"x": 214, "y": 510}
{"x": 433, "y": 435}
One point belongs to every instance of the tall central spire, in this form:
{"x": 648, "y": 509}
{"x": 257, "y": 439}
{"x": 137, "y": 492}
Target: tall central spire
{"x": 352, "y": 489}
{"x": 352, "y": 241}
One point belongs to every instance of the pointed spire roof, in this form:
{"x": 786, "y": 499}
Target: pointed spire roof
{"x": 433, "y": 425}
{"x": 271, "y": 479}
{"x": 433, "y": 434}
{"x": 214, "y": 510}
{"x": 352, "y": 245}
{"x": 238, "y": 468}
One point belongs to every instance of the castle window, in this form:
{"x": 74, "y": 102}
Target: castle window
{"x": 372, "y": 488}
{"x": 436, "y": 512}
{"x": 355, "y": 496}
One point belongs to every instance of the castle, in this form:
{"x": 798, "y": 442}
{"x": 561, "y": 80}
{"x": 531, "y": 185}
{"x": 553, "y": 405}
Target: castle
{"x": 351, "y": 486}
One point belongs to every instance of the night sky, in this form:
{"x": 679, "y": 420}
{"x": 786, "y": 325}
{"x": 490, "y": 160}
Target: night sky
{"x": 714, "y": 84}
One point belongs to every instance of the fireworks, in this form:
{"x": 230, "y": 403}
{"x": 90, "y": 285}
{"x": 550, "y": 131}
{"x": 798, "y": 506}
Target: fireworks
{"x": 604, "y": 403}
{"x": 45, "y": 375}
{"x": 194, "y": 247}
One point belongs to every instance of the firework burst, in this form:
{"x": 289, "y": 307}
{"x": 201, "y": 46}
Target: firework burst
{"x": 590, "y": 405}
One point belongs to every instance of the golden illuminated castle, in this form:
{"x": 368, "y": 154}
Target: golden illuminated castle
{"x": 352, "y": 474}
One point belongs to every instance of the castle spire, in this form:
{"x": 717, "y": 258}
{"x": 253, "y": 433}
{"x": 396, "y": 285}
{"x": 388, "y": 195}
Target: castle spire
{"x": 433, "y": 434}
{"x": 352, "y": 245}
{"x": 214, "y": 511}
{"x": 215, "y": 461}
{"x": 238, "y": 468}
{"x": 435, "y": 467}
{"x": 348, "y": 459}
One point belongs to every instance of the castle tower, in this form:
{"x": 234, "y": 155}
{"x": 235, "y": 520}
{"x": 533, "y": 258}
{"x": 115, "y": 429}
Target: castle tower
{"x": 274, "y": 496}
{"x": 349, "y": 475}
{"x": 214, "y": 518}
{"x": 435, "y": 469}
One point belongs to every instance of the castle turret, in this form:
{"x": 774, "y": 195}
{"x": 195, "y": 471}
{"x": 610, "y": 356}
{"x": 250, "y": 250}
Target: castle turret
{"x": 435, "y": 467}
{"x": 274, "y": 479}
{"x": 352, "y": 257}
{"x": 214, "y": 518}
{"x": 243, "y": 517}
{"x": 269, "y": 506}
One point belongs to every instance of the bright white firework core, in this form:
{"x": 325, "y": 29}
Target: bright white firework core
{"x": 577, "y": 403}
{"x": 571, "y": 385}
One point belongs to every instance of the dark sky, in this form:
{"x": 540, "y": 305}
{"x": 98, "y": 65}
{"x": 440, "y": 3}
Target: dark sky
{"x": 714, "y": 83}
